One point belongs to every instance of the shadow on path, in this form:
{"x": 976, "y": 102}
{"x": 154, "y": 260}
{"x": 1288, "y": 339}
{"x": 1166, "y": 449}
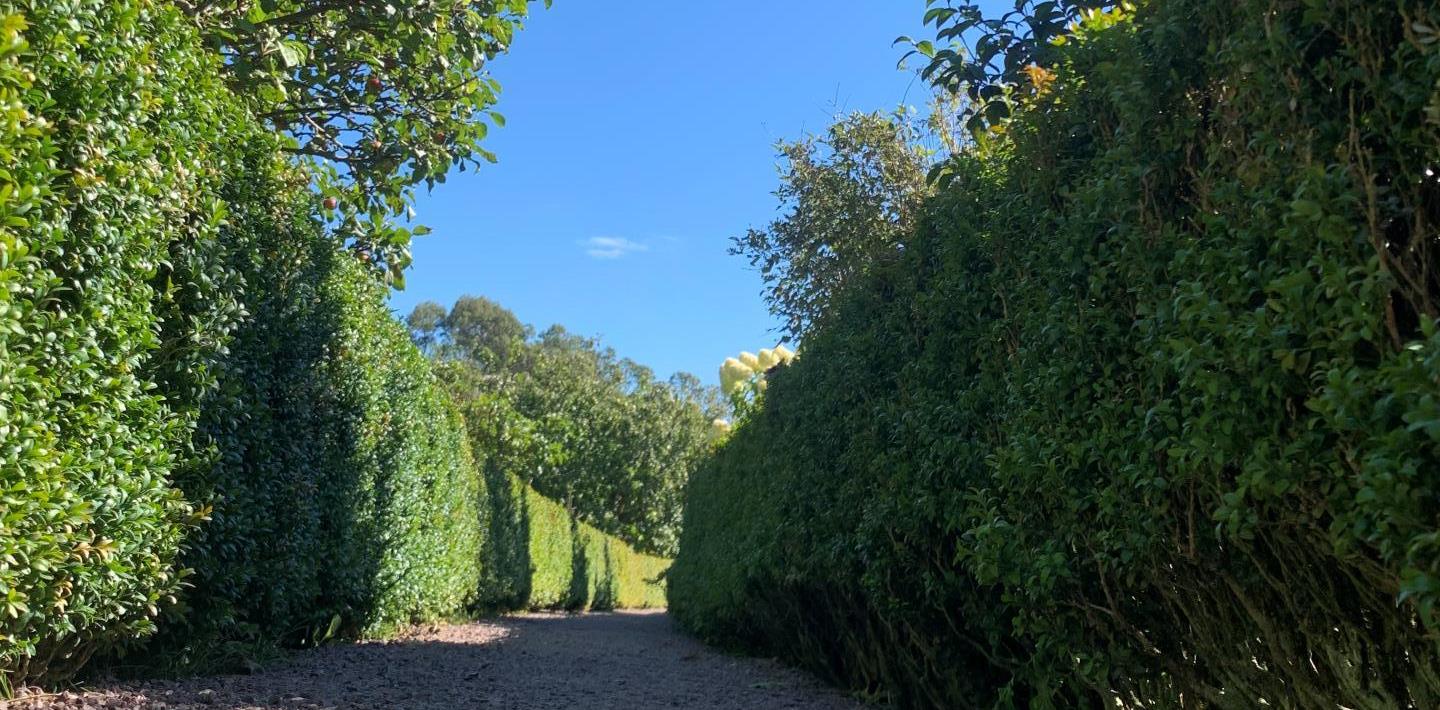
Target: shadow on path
{"x": 621, "y": 660}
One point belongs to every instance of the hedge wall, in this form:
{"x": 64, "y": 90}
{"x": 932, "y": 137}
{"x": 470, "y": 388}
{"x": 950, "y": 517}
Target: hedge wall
{"x": 113, "y": 297}
{"x": 537, "y": 553}
{"x": 1145, "y": 414}
{"x": 202, "y": 394}
{"x": 345, "y": 499}
{"x": 574, "y": 566}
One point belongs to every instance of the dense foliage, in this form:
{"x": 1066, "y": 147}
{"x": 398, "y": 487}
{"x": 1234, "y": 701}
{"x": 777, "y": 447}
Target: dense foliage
{"x": 1145, "y": 412}
{"x": 543, "y": 557}
{"x": 113, "y": 296}
{"x": 209, "y": 421}
{"x": 344, "y": 498}
{"x": 992, "y": 58}
{"x": 595, "y": 431}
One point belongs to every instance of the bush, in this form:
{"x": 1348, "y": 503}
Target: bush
{"x": 538, "y": 554}
{"x": 113, "y": 295}
{"x": 1145, "y": 414}
{"x": 345, "y": 500}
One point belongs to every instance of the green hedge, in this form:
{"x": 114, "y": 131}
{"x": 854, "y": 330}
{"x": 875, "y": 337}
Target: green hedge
{"x": 113, "y": 296}
{"x": 537, "y": 553}
{"x": 1145, "y": 414}
{"x": 345, "y": 499}
{"x": 574, "y": 566}
{"x": 180, "y": 340}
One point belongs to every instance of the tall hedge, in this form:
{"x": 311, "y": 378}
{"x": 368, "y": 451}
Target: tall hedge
{"x": 115, "y": 139}
{"x": 537, "y": 553}
{"x": 345, "y": 499}
{"x": 574, "y": 566}
{"x": 208, "y": 416}
{"x": 1146, "y": 412}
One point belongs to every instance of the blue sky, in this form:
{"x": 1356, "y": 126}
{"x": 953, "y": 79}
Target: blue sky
{"x": 638, "y": 141}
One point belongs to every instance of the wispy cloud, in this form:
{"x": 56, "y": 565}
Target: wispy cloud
{"x": 611, "y": 247}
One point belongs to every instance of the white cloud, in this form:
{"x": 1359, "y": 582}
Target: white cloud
{"x": 611, "y": 247}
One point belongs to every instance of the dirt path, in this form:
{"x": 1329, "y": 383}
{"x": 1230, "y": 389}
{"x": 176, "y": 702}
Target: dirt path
{"x": 627, "y": 661}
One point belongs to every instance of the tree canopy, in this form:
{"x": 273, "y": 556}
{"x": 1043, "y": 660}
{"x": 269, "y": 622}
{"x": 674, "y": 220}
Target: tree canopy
{"x": 383, "y": 96}
{"x": 850, "y": 196}
{"x": 596, "y": 431}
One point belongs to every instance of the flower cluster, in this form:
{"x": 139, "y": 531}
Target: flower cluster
{"x": 748, "y": 368}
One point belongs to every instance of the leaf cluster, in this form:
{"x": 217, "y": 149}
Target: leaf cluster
{"x": 384, "y": 95}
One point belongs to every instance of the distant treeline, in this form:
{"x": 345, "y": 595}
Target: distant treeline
{"x": 582, "y": 425}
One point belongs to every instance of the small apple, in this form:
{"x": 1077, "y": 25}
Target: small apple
{"x": 331, "y": 203}
{"x": 373, "y": 83}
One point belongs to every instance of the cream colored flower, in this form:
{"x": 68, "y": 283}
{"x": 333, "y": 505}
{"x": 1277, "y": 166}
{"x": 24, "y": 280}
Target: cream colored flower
{"x": 751, "y": 361}
{"x": 768, "y": 359}
{"x": 734, "y": 374}
{"x": 784, "y": 353}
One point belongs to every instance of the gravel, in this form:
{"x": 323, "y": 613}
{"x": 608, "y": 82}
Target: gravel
{"x": 625, "y": 660}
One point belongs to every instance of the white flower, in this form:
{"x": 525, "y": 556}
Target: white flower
{"x": 768, "y": 359}
{"x": 784, "y": 353}
{"x": 751, "y": 361}
{"x": 734, "y": 374}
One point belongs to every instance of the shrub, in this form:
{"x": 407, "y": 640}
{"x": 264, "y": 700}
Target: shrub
{"x": 1145, "y": 413}
{"x": 345, "y": 500}
{"x": 113, "y": 295}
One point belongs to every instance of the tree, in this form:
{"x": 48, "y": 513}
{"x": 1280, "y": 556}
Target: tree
{"x": 427, "y": 325}
{"x": 476, "y": 329}
{"x": 570, "y": 417}
{"x": 484, "y": 330}
{"x": 989, "y": 56}
{"x": 851, "y": 194}
{"x": 383, "y": 95}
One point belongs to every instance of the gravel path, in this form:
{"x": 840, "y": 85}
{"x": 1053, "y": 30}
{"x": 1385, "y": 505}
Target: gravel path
{"x": 628, "y": 661}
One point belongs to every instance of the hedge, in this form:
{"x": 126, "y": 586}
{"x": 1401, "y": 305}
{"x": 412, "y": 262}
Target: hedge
{"x": 113, "y": 297}
{"x": 345, "y": 500}
{"x": 1144, "y": 413}
{"x": 574, "y": 566}
{"x": 208, "y": 417}
{"x": 537, "y": 553}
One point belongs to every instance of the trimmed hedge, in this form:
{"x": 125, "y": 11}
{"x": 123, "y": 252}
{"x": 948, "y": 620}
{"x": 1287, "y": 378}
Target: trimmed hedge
{"x": 113, "y": 297}
{"x": 202, "y": 394}
{"x": 1146, "y": 412}
{"x": 537, "y": 553}
{"x": 345, "y": 500}
{"x": 574, "y": 566}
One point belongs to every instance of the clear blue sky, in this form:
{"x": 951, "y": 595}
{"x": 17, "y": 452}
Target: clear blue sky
{"x": 639, "y": 140}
